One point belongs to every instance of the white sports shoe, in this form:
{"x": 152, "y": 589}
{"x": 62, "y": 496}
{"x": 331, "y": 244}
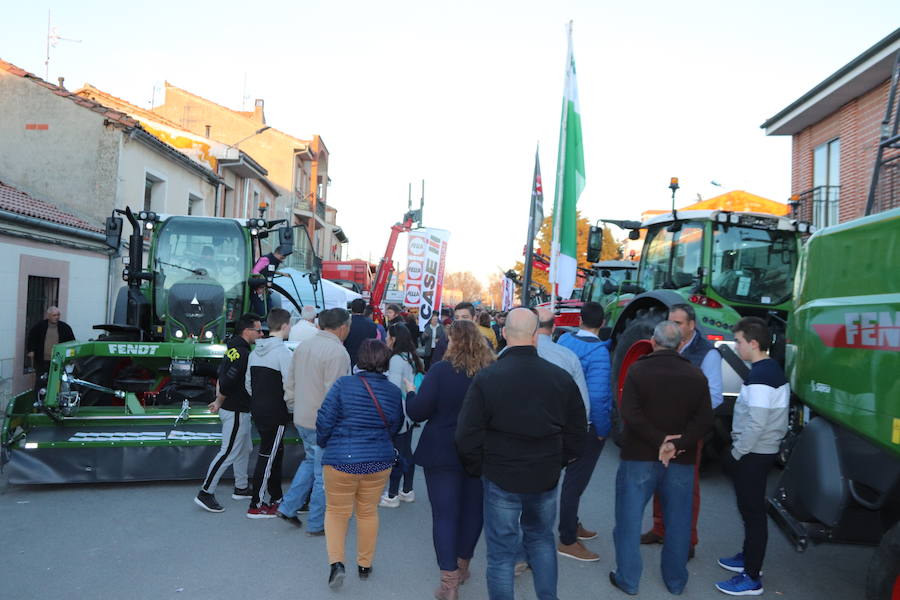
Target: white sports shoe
{"x": 388, "y": 502}
{"x": 409, "y": 496}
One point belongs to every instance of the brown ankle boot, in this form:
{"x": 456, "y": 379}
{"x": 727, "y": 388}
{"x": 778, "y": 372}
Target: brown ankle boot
{"x": 463, "y": 564}
{"x": 449, "y": 588}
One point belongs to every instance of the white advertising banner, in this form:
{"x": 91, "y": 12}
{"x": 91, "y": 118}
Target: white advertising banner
{"x": 425, "y": 259}
{"x": 509, "y": 294}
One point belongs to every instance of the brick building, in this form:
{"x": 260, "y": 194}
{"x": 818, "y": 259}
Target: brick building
{"x": 835, "y": 128}
{"x": 298, "y": 168}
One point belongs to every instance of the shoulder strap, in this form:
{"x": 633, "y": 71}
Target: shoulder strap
{"x": 375, "y": 401}
{"x": 734, "y": 361}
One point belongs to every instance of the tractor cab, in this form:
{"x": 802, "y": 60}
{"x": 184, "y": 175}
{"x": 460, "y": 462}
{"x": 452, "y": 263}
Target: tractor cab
{"x": 750, "y": 259}
{"x": 201, "y": 269}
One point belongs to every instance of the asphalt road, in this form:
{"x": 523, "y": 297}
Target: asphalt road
{"x": 149, "y": 540}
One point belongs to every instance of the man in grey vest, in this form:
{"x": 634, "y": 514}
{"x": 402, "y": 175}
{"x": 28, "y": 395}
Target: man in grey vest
{"x": 702, "y": 354}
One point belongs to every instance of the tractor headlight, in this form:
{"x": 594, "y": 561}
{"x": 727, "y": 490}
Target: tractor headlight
{"x": 254, "y": 232}
{"x": 179, "y": 334}
{"x": 208, "y": 335}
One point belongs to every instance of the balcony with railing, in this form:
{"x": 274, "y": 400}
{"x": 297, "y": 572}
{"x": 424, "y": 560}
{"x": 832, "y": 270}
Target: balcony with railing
{"x": 304, "y": 208}
{"x": 819, "y": 205}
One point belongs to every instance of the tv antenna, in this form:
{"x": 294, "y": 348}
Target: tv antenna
{"x": 53, "y": 38}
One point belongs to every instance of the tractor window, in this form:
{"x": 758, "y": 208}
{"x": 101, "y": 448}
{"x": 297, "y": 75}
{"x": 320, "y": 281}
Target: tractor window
{"x": 753, "y": 265}
{"x": 671, "y": 259}
{"x": 302, "y": 257}
{"x": 656, "y": 253}
{"x": 187, "y": 246}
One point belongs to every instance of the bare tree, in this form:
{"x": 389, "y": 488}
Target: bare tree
{"x": 465, "y": 283}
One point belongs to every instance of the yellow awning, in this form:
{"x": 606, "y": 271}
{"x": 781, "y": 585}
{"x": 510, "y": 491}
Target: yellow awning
{"x": 740, "y": 200}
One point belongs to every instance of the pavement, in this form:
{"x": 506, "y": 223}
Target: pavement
{"x": 149, "y": 540}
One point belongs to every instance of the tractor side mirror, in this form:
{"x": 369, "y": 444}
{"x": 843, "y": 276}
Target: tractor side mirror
{"x": 286, "y": 236}
{"x": 114, "y": 232}
{"x": 634, "y": 234}
{"x": 595, "y": 244}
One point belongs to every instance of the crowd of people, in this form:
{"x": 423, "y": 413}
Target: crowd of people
{"x": 512, "y": 426}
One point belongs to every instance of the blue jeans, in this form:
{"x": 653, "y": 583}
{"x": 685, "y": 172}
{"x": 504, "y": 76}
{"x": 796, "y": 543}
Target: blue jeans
{"x": 307, "y": 481}
{"x": 504, "y": 514}
{"x": 636, "y": 482}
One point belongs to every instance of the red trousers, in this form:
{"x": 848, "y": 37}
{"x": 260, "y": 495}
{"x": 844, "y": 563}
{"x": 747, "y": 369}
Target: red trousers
{"x": 658, "y": 527}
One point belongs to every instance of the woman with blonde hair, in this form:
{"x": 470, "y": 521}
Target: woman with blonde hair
{"x": 456, "y": 498}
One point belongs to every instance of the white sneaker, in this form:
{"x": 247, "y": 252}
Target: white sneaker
{"x": 409, "y": 496}
{"x": 388, "y": 502}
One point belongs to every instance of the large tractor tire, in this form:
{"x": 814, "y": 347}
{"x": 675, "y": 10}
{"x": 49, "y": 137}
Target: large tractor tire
{"x": 628, "y": 348}
{"x": 883, "y": 579}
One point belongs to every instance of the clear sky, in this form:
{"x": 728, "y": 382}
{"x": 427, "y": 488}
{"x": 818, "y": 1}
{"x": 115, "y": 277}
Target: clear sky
{"x": 459, "y": 93}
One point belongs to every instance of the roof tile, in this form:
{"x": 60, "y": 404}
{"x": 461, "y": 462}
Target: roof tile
{"x": 21, "y": 203}
{"x": 116, "y": 116}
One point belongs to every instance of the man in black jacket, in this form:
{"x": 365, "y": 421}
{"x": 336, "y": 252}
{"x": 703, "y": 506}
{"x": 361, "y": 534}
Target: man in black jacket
{"x": 521, "y": 421}
{"x": 42, "y": 337}
{"x": 666, "y": 410}
{"x": 361, "y": 329}
{"x": 233, "y": 405}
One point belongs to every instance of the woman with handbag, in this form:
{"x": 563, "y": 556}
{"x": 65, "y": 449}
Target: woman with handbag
{"x": 355, "y": 426}
{"x": 456, "y": 498}
{"x": 405, "y": 364}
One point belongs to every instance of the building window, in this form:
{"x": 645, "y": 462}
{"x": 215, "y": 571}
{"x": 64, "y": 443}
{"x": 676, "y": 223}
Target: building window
{"x": 208, "y": 130}
{"x": 43, "y": 292}
{"x": 826, "y": 183}
{"x": 255, "y": 202}
{"x": 148, "y": 193}
{"x": 154, "y": 193}
{"x": 195, "y": 205}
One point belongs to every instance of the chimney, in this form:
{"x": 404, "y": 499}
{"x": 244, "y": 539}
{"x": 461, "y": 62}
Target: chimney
{"x": 62, "y": 82}
{"x": 258, "y": 114}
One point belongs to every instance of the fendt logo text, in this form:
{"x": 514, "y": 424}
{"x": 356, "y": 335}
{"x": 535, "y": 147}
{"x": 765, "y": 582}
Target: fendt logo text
{"x": 864, "y": 330}
{"x": 133, "y": 349}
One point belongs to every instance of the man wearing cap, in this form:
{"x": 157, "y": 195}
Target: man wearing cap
{"x": 306, "y": 326}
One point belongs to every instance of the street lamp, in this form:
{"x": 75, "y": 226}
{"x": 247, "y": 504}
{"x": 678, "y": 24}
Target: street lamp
{"x": 257, "y": 132}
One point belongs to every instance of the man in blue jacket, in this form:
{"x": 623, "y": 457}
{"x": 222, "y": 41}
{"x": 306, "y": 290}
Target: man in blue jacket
{"x": 593, "y": 353}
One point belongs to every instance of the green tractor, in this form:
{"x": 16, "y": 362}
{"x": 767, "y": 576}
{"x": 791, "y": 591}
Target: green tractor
{"x": 841, "y": 482}
{"x": 131, "y": 405}
{"x": 726, "y": 265}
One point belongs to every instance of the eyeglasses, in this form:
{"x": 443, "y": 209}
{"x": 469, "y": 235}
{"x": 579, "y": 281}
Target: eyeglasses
{"x": 257, "y": 330}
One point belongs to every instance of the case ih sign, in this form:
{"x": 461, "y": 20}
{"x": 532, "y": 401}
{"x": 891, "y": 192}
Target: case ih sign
{"x": 426, "y": 254}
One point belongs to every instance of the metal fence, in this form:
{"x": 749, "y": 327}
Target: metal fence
{"x": 819, "y": 206}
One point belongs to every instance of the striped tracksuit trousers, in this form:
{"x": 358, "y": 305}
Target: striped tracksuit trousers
{"x": 267, "y": 475}
{"x": 235, "y": 451}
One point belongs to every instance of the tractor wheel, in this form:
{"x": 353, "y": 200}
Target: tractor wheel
{"x": 628, "y": 350}
{"x": 883, "y": 580}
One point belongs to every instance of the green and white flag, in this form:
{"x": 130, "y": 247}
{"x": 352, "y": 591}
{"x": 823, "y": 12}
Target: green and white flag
{"x": 569, "y": 183}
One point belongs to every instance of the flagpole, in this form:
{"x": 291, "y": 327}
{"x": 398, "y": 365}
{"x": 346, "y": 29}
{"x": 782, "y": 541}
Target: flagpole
{"x": 560, "y": 174}
{"x": 529, "y": 245}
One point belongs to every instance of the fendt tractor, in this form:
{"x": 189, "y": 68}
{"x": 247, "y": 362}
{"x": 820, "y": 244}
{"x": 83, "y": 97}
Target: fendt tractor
{"x": 726, "y": 265}
{"x": 131, "y": 405}
{"x": 841, "y": 482}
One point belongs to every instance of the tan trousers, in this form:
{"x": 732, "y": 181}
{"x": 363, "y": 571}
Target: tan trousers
{"x": 343, "y": 492}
